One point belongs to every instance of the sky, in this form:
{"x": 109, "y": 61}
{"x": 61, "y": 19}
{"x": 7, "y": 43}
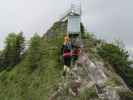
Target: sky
{"x": 108, "y": 19}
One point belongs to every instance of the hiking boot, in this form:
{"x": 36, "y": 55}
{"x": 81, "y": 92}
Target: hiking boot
{"x": 64, "y": 73}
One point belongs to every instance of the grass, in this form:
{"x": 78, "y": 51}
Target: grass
{"x": 113, "y": 82}
{"x": 88, "y": 94}
{"x": 24, "y": 83}
{"x": 126, "y": 95}
{"x": 21, "y": 83}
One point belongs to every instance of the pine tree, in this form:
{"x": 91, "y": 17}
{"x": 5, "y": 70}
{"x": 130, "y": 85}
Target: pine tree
{"x": 10, "y": 50}
{"x": 20, "y": 46}
{"x": 34, "y": 51}
{"x": 13, "y": 50}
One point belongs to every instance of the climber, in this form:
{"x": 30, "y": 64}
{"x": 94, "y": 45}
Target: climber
{"x": 75, "y": 53}
{"x": 66, "y": 53}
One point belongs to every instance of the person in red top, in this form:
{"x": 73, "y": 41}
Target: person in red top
{"x": 75, "y": 53}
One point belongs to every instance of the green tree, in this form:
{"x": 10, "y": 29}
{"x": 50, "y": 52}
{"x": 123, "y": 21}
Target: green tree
{"x": 1, "y": 59}
{"x": 20, "y": 46}
{"x": 82, "y": 30}
{"x": 10, "y": 50}
{"x": 13, "y": 50}
{"x": 34, "y": 51}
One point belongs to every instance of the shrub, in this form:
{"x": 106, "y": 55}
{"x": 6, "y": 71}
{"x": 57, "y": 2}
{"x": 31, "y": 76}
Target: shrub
{"x": 88, "y": 94}
{"x": 126, "y": 95}
{"x": 118, "y": 58}
{"x": 34, "y": 51}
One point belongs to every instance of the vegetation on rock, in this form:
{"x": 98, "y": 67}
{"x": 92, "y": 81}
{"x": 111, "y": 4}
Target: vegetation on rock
{"x": 37, "y": 71}
{"x": 118, "y": 58}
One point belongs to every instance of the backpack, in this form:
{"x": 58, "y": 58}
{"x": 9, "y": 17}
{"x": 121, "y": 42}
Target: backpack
{"x": 67, "y": 47}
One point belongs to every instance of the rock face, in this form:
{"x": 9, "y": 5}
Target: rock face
{"x": 88, "y": 78}
{"x": 86, "y": 75}
{"x": 98, "y": 76}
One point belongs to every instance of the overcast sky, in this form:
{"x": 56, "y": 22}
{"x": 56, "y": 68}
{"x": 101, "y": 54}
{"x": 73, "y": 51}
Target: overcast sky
{"x": 108, "y": 19}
